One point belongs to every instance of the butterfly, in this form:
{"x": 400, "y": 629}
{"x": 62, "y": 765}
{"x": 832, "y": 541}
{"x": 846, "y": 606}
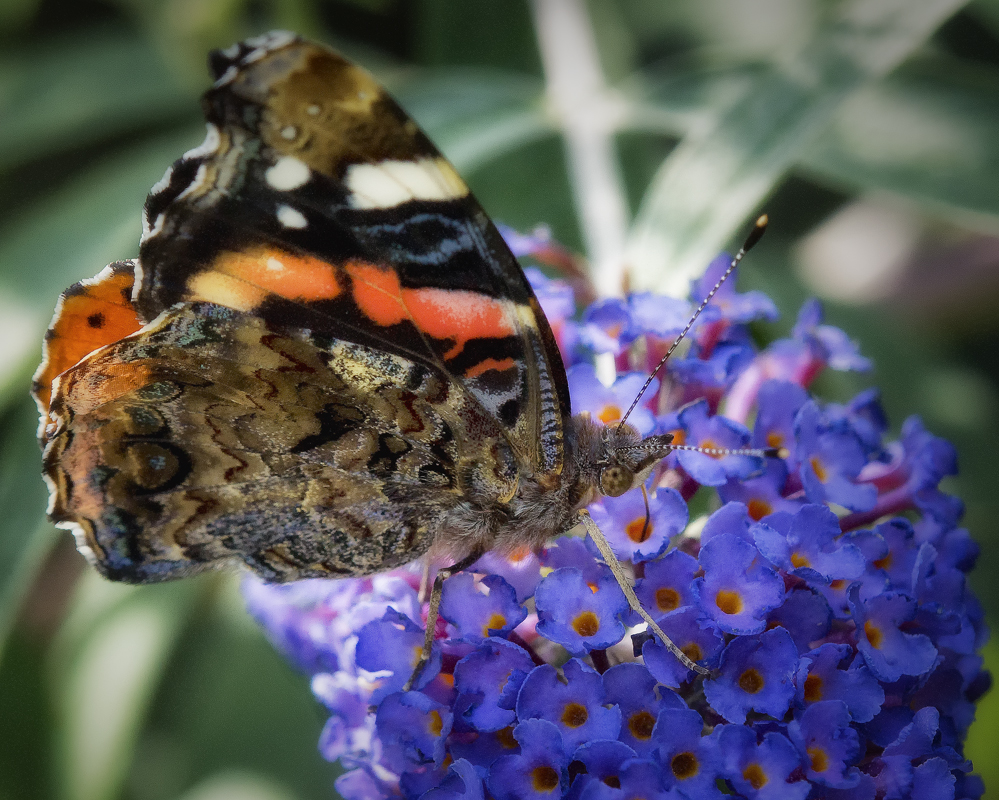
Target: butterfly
{"x": 325, "y": 361}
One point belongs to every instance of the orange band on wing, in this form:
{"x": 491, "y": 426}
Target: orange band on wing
{"x": 458, "y": 315}
{"x": 377, "y": 293}
{"x": 295, "y": 277}
{"x": 488, "y": 364}
{"x": 439, "y": 313}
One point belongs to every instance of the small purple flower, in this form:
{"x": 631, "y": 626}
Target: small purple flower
{"x": 522, "y": 570}
{"x": 890, "y": 652}
{"x": 831, "y": 344}
{"x": 738, "y": 589}
{"x": 479, "y": 609}
{"x": 732, "y": 306}
{"x": 764, "y": 495}
{"x": 393, "y": 644}
{"x": 756, "y": 674}
{"x": 538, "y": 772}
{"x": 609, "y": 404}
{"x": 633, "y": 535}
{"x": 657, "y": 315}
{"x": 576, "y": 707}
{"x": 779, "y": 403}
{"x": 692, "y": 426}
{"x": 828, "y": 744}
{"x": 666, "y": 585}
{"x": 578, "y": 615}
{"x": 603, "y": 760}
{"x": 461, "y": 783}
{"x": 807, "y": 544}
{"x": 690, "y": 762}
{"x": 830, "y": 673}
{"x": 413, "y": 729}
{"x": 768, "y": 770}
{"x": 606, "y": 326}
{"x": 638, "y": 778}
{"x": 830, "y": 460}
{"x": 630, "y": 687}
{"x": 805, "y": 615}
{"x": 487, "y": 681}
{"x": 698, "y": 638}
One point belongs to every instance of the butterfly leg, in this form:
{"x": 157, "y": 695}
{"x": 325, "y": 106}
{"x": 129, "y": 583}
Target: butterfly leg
{"x": 629, "y": 592}
{"x": 432, "y": 613}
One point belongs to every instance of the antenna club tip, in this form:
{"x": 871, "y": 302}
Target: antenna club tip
{"x": 776, "y": 452}
{"x": 757, "y": 232}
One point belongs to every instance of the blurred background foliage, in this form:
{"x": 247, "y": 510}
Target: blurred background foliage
{"x": 874, "y": 148}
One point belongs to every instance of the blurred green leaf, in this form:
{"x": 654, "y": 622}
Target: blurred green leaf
{"x": 94, "y": 219}
{"x": 238, "y": 786}
{"x": 26, "y": 535}
{"x": 477, "y": 116}
{"x": 928, "y": 132}
{"x": 82, "y": 89}
{"x": 710, "y": 184}
{"x": 106, "y": 665}
{"x": 230, "y": 702}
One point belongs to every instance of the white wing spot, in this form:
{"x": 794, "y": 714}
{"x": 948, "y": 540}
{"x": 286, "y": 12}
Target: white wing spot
{"x": 287, "y": 173}
{"x": 313, "y": 110}
{"x": 391, "y": 183}
{"x": 211, "y": 144}
{"x": 274, "y": 265}
{"x": 289, "y": 132}
{"x": 163, "y": 182}
{"x": 291, "y": 217}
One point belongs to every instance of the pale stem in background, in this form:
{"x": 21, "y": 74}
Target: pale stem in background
{"x": 588, "y": 114}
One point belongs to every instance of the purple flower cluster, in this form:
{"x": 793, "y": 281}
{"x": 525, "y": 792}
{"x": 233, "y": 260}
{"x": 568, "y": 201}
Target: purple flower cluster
{"x": 827, "y": 594}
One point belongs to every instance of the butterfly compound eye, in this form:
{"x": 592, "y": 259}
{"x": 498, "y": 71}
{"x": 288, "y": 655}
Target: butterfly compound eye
{"x": 616, "y": 480}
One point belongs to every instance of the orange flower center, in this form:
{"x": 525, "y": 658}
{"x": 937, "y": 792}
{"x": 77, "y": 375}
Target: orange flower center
{"x": 728, "y": 601}
{"x": 544, "y": 779}
{"x": 496, "y": 622}
{"x": 667, "y": 599}
{"x": 873, "y": 633}
{"x": 586, "y": 624}
{"x": 818, "y": 758}
{"x": 754, "y": 775}
{"x": 751, "y": 681}
{"x": 758, "y": 509}
{"x": 639, "y": 530}
{"x": 574, "y": 715}
{"x": 684, "y": 766}
{"x": 641, "y": 724}
{"x": 609, "y": 414}
{"x": 813, "y": 689}
{"x": 820, "y": 470}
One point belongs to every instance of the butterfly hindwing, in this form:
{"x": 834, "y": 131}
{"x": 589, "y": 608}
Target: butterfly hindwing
{"x": 209, "y": 437}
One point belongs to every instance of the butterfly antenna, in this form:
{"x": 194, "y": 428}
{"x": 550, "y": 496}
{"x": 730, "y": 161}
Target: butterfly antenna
{"x": 754, "y": 236}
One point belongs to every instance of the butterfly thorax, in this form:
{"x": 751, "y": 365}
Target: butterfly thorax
{"x": 599, "y": 461}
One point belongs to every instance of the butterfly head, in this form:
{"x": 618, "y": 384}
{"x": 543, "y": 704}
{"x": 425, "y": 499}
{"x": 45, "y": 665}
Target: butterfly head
{"x": 628, "y": 459}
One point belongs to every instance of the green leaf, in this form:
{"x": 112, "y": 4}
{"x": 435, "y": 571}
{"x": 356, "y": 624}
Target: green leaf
{"x": 107, "y": 663}
{"x": 238, "y": 786}
{"x": 230, "y": 702}
{"x": 927, "y": 132}
{"x": 91, "y": 221}
{"x": 26, "y": 536}
{"x": 715, "y": 179}
{"x": 477, "y": 116}
{"x": 82, "y": 89}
